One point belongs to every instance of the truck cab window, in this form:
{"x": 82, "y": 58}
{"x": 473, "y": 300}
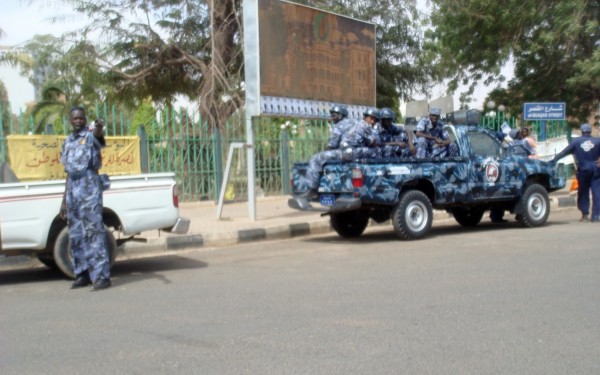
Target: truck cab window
{"x": 483, "y": 144}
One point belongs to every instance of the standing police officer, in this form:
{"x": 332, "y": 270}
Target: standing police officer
{"x": 82, "y": 203}
{"x": 586, "y": 150}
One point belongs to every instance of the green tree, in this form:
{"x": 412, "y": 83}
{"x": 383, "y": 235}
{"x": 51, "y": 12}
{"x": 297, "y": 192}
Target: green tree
{"x": 4, "y": 109}
{"x": 553, "y": 43}
{"x": 161, "y": 49}
{"x": 144, "y": 115}
{"x": 194, "y": 49}
{"x": 65, "y": 72}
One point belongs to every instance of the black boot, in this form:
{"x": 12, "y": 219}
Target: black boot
{"x": 101, "y": 283}
{"x": 82, "y": 280}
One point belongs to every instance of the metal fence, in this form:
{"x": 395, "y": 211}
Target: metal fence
{"x": 183, "y": 143}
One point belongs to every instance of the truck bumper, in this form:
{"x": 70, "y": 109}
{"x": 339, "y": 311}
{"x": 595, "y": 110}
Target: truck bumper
{"x": 182, "y": 226}
{"x": 340, "y": 205}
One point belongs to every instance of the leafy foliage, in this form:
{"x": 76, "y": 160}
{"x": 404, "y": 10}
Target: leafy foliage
{"x": 553, "y": 44}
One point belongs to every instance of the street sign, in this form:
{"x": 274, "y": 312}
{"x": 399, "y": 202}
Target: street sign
{"x": 544, "y": 111}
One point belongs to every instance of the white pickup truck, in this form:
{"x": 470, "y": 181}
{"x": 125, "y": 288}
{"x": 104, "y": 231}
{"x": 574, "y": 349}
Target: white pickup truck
{"x": 30, "y": 221}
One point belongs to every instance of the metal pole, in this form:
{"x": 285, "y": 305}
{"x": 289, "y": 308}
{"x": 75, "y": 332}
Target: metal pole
{"x": 251, "y": 166}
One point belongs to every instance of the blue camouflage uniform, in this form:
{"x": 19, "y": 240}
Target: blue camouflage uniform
{"x": 427, "y": 147}
{"x": 82, "y": 159}
{"x": 586, "y": 150}
{"x": 339, "y": 129}
{"x": 394, "y": 134}
{"x": 356, "y": 142}
{"x": 360, "y": 141}
{"x": 520, "y": 147}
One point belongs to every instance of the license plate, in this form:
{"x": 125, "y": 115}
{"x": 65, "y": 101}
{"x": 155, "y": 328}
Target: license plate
{"x": 327, "y": 199}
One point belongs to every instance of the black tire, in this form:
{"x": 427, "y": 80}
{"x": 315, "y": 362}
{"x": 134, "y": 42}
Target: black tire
{"x": 47, "y": 260}
{"x": 350, "y": 224}
{"x": 412, "y": 216}
{"x": 468, "y": 218}
{"x": 62, "y": 251}
{"x": 534, "y": 206}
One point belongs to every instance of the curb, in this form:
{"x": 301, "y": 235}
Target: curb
{"x": 162, "y": 245}
{"x": 182, "y": 242}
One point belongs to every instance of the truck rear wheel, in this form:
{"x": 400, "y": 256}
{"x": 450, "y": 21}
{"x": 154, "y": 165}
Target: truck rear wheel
{"x": 412, "y": 217}
{"x": 534, "y": 206}
{"x": 62, "y": 251}
{"x": 467, "y": 218}
{"x": 350, "y": 224}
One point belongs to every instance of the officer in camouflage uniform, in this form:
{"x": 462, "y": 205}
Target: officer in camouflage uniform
{"x": 362, "y": 140}
{"x": 396, "y": 142}
{"x": 82, "y": 203}
{"x": 432, "y": 140}
{"x": 341, "y": 123}
{"x": 353, "y": 143}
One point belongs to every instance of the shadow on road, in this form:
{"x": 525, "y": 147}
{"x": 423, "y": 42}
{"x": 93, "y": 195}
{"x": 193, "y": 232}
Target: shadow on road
{"x": 385, "y": 232}
{"x": 136, "y": 270}
{"x": 123, "y": 271}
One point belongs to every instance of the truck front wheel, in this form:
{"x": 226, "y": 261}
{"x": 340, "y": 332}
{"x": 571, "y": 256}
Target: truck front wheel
{"x": 62, "y": 251}
{"x": 350, "y": 224}
{"x": 412, "y": 217}
{"x": 534, "y": 206}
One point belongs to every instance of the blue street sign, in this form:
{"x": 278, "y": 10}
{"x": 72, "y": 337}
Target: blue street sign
{"x": 544, "y": 111}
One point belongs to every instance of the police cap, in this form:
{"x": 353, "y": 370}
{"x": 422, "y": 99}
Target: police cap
{"x": 586, "y": 128}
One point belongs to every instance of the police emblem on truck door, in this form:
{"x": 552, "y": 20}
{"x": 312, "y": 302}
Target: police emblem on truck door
{"x": 492, "y": 170}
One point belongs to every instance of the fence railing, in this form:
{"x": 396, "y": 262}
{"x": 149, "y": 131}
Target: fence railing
{"x": 183, "y": 143}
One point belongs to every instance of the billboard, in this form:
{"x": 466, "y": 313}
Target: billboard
{"x": 310, "y": 59}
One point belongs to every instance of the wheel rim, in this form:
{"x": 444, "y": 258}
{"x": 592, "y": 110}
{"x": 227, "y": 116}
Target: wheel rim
{"x": 416, "y": 216}
{"x": 536, "y": 205}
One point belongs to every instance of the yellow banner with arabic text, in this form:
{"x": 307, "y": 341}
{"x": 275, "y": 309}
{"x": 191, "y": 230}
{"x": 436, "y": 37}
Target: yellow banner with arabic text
{"x": 37, "y": 157}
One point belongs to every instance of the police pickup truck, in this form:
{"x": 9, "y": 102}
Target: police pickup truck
{"x": 484, "y": 177}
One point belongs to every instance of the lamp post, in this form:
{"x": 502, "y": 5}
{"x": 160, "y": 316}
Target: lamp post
{"x": 491, "y": 114}
{"x": 501, "y": 113}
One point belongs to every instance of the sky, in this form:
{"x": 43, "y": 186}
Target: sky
{"x": 20, "y": 21}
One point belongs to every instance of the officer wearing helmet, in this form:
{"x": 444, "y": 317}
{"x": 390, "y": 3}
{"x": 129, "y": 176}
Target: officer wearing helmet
{"x": 364, "y": 137}
{"x": 341, "y": 124}
{"x": 432, "y": 140}
{"x": 586, "y": 151}
{"x": 356, "y": 141}
{"x": 396, "y": 142}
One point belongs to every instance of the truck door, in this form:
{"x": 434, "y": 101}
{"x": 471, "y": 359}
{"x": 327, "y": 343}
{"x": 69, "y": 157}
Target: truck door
{"x": 487, "y": 177}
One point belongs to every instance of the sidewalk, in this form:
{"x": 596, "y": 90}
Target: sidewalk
{"x": 274, "y": 220}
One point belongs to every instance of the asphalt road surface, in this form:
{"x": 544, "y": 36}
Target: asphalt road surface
{"x": 488, "y": 300}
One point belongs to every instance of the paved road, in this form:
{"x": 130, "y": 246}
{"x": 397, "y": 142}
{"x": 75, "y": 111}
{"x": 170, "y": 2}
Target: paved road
{"x": 464, "y": 301}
